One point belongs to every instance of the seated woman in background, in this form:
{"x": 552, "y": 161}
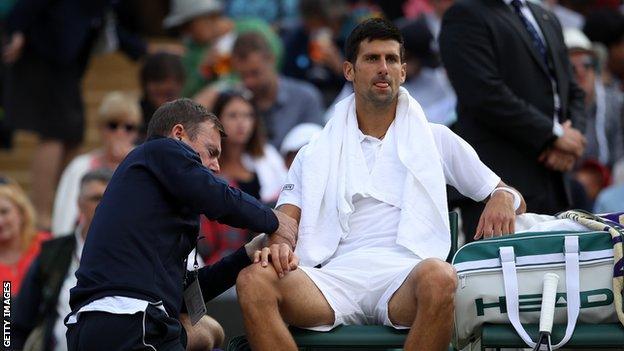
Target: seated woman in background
{"x": 20, "y": 242}
{"x": 247, "y": 162}
{"x": 119, "y": 119}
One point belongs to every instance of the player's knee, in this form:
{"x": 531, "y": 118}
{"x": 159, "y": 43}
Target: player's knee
{"x": 436, "y": 279}
{"x": 255, "y": 283}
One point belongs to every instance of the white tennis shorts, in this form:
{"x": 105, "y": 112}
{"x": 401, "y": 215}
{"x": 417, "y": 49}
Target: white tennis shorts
{"x": 359, "y": 284}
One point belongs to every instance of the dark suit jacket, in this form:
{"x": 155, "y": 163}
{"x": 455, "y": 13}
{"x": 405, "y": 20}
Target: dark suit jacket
{"x": 505, "y": 97}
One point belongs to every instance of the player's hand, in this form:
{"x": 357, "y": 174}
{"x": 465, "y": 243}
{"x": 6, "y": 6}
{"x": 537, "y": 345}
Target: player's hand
{"x": 281, "y": 256}
{"x": 498, "y": 217}
{"x": 287, "y": 231}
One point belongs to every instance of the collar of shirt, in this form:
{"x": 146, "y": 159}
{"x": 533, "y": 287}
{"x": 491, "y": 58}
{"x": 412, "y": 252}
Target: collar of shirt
{"x": 371, "y": 139}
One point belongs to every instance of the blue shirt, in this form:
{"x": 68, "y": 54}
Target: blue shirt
{"x": 610, "y": 199}
{"x": 297, "y": 102}
{"x": 148, "y": 221}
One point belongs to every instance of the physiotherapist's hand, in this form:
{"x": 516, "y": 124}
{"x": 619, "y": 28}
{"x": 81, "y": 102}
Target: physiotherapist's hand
{"x": 256, "y": 244}
{"x": 498, "y": 217}
{"x": 287, "y": 231}
{"x": 281, "y": 256}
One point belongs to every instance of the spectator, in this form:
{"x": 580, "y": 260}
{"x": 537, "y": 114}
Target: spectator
{"x": 433, "y": 19}
{"x": 246, "y": 159}
{"x": 247, "y": 163}
{"x": 20, "y": 241}
{"x": 50, "y": 44}
{"x": 44, "y": 301}
{"x": 297, "y": 138}
{"x": 314, "y": 47}
{"x": 162, "y": 79}
{"x": 119, "y": 121}
{"x": 282, "y": 102}
{"x": 526, "y": 126}
{"x": 208, "y": 35}
{"x": 604, "y": 104}
{"x": 426, "y": 81}
{"x": 607, "y": 27}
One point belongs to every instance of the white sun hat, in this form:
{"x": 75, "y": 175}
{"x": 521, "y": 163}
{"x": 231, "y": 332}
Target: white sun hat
{"x": 183, "y": 11}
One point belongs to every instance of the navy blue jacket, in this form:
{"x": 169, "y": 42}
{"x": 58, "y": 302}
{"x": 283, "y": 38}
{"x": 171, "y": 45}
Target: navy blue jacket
{"x": 147, "y": 223}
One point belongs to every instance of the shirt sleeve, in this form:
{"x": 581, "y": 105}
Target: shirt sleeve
{"x": 197, "y": 189}
{"x": 462, "y": 167}
{"x": 220, "y": 276}
{"x": 291, "y": 191}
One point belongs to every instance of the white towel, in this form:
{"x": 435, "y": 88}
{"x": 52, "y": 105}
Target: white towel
{"x": 327, "y": 185}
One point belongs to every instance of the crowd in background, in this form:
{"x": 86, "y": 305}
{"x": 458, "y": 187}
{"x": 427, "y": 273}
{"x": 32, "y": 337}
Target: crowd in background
{"x": 270, "y": 70}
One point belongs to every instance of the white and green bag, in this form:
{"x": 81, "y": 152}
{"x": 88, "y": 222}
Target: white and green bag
{"x": 500, "y": 282}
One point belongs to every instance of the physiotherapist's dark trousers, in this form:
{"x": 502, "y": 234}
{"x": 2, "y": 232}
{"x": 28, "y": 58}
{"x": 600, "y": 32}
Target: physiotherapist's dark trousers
{"x": 152, "y": 330}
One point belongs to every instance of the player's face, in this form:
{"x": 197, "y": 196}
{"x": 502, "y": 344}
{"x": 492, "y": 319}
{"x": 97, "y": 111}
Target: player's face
{"x": 377, "y": 72}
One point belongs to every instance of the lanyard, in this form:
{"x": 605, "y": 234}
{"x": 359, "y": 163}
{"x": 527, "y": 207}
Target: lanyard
{"x": 195, "y": 264}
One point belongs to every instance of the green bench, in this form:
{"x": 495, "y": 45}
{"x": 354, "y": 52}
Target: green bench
{"x": 585, "y": 336}
{"x": 350, "y": 337}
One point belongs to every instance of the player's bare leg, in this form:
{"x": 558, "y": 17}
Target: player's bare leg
{"x": 270, "y": 303}
{"x": 425, "y": 301}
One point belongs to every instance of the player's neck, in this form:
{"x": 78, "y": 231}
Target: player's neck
{"x": 373, "y": 120}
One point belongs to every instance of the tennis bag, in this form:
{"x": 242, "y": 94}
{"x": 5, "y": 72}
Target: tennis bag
{"x": 500, "y": 280}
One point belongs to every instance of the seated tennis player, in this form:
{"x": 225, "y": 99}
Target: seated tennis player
{"x": 370, "y": 198}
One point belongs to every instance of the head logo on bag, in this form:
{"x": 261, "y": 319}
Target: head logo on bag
{"x": 533, "y": 302}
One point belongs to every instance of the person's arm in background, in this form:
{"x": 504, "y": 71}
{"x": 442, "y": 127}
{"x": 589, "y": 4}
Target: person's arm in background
{"x": 27, "y": 304}
{"x": 23, "y": 14}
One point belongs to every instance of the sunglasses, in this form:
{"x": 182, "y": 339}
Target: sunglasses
{"x": 128, "y": 127}
{"x": 94, "y": 198}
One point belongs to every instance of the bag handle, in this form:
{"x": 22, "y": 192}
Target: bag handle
{"x": 510, "y": 278}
